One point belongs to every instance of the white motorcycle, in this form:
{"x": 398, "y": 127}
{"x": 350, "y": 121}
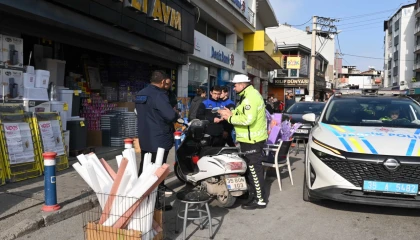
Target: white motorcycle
{"x": 218, "y": 170}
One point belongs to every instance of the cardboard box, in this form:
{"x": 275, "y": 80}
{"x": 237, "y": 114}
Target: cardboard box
{"x": 42, "y": 78}
{"x": 130, "y": 105}
{"x": 12, "y": 51}
{"x": 94, "y": 138}
{"x": 13, "y": 83}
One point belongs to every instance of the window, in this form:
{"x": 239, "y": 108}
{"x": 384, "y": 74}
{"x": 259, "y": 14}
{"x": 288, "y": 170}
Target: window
{"x": 293, "y": 72}
{"x": 395, "y": 71}
{"x": 221, "y": 38}
{"x": 201, "y": 27}
{"x": 396, "y": 56}
{"x": 211, "y": 32}
{"x": 397, "y": 25}
{"x": 373, "y": 112}
{"x": 396, "y": 40}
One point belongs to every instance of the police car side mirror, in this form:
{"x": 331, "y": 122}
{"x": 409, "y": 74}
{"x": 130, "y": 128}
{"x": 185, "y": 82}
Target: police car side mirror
{"x": 309, "y": 117}
{"x": 180, "y": 120}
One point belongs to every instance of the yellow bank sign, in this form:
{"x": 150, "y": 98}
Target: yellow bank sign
{"x": 293, "y": 62}
{"x": 158, "y": 10}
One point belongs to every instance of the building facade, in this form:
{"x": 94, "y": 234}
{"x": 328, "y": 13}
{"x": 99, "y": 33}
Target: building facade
{"x": 224, "y": 45}
{"x": 400, "y": 44}
{"x": 294, "y": 80}
{"x": 285, "y": 35}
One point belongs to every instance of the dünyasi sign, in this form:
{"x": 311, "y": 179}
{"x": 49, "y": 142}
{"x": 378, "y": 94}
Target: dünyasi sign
{"x": 291, "y": 82}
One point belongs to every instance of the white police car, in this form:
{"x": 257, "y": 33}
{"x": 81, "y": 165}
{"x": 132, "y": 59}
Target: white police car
{"x": 365, "y": 148}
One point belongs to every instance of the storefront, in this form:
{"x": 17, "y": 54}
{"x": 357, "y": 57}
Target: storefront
{"x": 212, "y": 64}
{"x": 105, "y": 50}
{"x": 295, "y": 87}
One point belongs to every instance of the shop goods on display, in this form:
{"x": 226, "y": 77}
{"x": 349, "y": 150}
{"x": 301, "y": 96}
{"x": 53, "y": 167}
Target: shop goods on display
{"x": 19, "y": 142}
{"x": 127, "y": 202}
{"x": 93, "y": 109}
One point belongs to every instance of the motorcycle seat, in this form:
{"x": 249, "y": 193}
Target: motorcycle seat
{"x": 210, "y": 151}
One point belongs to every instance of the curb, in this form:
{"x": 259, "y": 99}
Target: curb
{"x": 47, "y": 219}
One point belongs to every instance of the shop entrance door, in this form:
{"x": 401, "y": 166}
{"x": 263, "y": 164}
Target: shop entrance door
{"x": 213, "y": 82}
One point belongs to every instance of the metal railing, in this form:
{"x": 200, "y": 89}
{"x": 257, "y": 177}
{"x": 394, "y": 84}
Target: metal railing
{"x": 251, "y": 17}
{"x": 417, "y": 28}
{"x": 417, "y": 47}
{"x": 416, "y": 66}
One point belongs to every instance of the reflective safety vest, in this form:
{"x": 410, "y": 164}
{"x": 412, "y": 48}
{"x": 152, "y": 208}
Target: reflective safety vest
{"x": 249, "y": 117}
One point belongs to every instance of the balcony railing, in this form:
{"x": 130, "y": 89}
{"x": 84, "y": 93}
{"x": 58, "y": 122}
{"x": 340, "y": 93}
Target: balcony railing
{"x": 417, "y": 28}
{"x": 417, "y": 47}
{"x": 417, "y": 12}
{"x": 251, "y": 17}
{"x": 416, "y": 66}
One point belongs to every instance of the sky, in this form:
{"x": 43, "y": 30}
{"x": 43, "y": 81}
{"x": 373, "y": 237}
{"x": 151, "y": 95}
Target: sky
{"x": 360, "y": 35}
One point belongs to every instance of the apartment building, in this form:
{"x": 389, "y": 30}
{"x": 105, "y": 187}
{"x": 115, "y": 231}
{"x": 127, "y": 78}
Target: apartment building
{"x": 230, "y": 39}
{"x": 400, "y": 43}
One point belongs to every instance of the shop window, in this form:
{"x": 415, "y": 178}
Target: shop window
{"x": 212, "y": 32}
{"x": 201, "y": 26}
{"x": 197, "y": 76}
{"x": 293, "y": 73}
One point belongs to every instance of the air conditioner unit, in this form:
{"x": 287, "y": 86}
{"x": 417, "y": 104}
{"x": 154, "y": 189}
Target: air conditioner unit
{"x": 402, "y": 83}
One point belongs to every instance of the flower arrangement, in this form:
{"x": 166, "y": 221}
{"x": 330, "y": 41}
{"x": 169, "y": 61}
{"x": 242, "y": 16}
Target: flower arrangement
{"x": 279, "y": 128}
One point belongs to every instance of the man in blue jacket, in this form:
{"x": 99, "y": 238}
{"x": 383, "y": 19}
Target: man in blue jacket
{"x": 156, "y": 117}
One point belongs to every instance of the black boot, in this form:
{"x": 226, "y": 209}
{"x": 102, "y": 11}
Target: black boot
{"x": 254, "y": 204}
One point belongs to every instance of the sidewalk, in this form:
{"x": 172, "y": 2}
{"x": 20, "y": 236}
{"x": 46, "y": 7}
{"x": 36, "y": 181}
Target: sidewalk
{"x": 21, "y": 202}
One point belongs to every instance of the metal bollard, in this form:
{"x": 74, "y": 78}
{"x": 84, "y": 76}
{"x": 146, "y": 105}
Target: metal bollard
{"x": 177, "y": 136}
{"x": 50, "y": 183}
{"x": 128, "y": 143}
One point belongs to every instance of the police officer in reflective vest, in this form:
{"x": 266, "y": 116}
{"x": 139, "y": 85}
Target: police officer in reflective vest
{"x": 250, "y": 124}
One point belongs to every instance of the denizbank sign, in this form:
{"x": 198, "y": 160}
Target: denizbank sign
{"x": 223, "y": 57}
{"x": 158, "y": 10}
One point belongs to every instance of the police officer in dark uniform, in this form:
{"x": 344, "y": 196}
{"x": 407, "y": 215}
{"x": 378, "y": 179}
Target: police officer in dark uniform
{"x": 156, "y": 117}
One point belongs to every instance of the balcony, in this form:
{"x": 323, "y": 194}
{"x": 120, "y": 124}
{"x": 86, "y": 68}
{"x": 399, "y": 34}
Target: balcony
{"x": 417, "y": 48}
{"x": 417, "y": 12}
{"x": 240, "y": 16}
{"x": 417, "y": 29}
{"x": 416, "y": 67}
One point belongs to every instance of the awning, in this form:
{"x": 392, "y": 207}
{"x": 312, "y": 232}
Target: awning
{"x": 261, "y": 48}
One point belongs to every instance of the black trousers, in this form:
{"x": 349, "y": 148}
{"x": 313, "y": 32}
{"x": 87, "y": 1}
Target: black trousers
{"x": 165, "y": 157}
{"x": 255, "y": 170}
{"x": 229, "y": 141}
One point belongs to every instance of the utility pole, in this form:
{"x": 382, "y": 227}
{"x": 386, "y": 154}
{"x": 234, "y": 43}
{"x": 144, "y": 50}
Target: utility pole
{"x": 327, "y": 28}
{"x": 313, "y": 55}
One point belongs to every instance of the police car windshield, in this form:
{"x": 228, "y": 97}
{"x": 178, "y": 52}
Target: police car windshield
{"x": 306, "y": 107}
{"x": 373, "y": 111}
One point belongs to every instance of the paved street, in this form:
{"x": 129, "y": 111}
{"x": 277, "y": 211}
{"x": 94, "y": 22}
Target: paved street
{"x": 286, "y": 217}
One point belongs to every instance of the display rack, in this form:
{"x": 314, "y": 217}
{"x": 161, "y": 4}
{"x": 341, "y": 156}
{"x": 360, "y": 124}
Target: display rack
{"x": 18, "y": 145}
{"x": 50, "y": 137}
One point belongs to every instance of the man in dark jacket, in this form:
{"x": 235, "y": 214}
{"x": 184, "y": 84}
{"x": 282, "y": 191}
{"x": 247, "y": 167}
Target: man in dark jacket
{"x": 156, "y": 117}
{"x": 196, "y": 102}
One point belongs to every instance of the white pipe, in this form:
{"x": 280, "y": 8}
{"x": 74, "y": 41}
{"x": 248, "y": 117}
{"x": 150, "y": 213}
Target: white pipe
{"x": 159, "y": 156}
{"x": 132, "y": 164}
{"x": 100, "y": 170}
{"x": 83, "y": 173}
{"x": 96, "y": 186}
{"x": 136, "y": 192}
{"x": 119, "y": 159}
{"x": 82, "y": 159}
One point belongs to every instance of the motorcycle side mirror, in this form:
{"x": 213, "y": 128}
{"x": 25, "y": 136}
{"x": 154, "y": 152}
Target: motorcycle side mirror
{"x": 214, "y": 110}
{"x": 180, "y": 120}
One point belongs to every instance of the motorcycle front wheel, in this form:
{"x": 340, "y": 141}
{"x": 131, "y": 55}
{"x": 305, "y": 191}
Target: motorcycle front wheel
{"x": 179, "y": 174}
